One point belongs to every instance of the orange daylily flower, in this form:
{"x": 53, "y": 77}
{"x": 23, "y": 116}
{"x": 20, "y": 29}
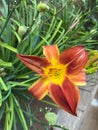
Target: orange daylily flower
{"x": 60, "y": 75}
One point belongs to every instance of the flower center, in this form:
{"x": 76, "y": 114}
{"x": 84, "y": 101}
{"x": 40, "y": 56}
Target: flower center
{"x": 55, "y": 73}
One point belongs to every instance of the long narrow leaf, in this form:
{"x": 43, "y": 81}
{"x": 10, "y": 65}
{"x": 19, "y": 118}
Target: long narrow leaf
{"x": 20, "y": 114}
{"x": 5, "y": 45}
{"x": 5, "y": 64}
{"x": 3, "y": 85}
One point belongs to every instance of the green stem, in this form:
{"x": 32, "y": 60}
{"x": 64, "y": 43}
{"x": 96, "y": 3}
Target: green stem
{"x": 30, "y": 28}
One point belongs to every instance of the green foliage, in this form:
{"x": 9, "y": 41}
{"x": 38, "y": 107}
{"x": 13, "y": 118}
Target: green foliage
{"x": 92, "y": 64}
{"x": 23, "y": 29}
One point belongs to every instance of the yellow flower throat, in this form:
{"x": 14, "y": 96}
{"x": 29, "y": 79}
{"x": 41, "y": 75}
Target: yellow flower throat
{"x": 55, "y": 73}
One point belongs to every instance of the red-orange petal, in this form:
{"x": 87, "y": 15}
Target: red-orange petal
{"x": 76, "y": 58}
{"x": 79, "y": 79}
{"x": 71, "y": 93}
{"x": 67, "y": 96}
{"x": 39, "y": 89}
{"x": 51, "y": 52}
{"x": 34, "y": 63}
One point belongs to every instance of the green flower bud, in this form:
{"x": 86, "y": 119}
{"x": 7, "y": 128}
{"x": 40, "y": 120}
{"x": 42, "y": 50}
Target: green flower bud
{"x": 21, "y": 30}
{"x": 51, "y": 118}
{"x": 41, "y": 7}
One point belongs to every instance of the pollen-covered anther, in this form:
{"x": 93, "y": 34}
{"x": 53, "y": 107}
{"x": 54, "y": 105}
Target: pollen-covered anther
{"x": 55, "y": 73}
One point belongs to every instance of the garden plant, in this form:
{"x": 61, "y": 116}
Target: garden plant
{"x": 31, "y": 30}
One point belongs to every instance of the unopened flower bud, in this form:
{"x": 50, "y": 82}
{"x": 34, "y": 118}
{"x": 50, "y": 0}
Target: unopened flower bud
{"x": 41, "y": 7}
{"x": 21, "y": 30}
{"x": 51, "y": 118}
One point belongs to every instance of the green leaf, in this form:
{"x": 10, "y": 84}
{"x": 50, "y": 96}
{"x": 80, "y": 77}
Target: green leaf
{"x": 20, "y": 114}
{"x": 7, "y": 95}
{"x": 5, "y": 45}
{"x": 2, "y": 110}
{"x": 3, "y": 85}
{"x": 0, "y": 98}
{"x": 18, "y": 37}
{"x": 5, "y": 11}
{"x": 5, "y": 64}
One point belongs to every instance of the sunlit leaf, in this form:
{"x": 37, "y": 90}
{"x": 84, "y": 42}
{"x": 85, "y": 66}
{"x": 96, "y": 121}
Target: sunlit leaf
{"x": 5, "y": 45}
{"x": 5, "y": 64}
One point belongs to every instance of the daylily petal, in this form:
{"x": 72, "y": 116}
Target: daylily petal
{"x": 67, "y": 96}
{"x": 39, "y": 89}
{"x": 51, "y": 53}
{"x": 71, "y": 93}
{"x": 58, "y": 97}
{"x": 75, "y": 57}
{"x": 35, "y": 63}
{"x": 79, "y": 79}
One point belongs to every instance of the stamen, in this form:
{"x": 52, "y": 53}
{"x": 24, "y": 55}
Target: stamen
{"x": 55, "y": 73}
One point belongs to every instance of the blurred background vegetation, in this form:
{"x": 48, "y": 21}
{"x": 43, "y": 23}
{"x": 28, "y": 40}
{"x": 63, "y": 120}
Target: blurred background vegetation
{"x": 25, "y": 28}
